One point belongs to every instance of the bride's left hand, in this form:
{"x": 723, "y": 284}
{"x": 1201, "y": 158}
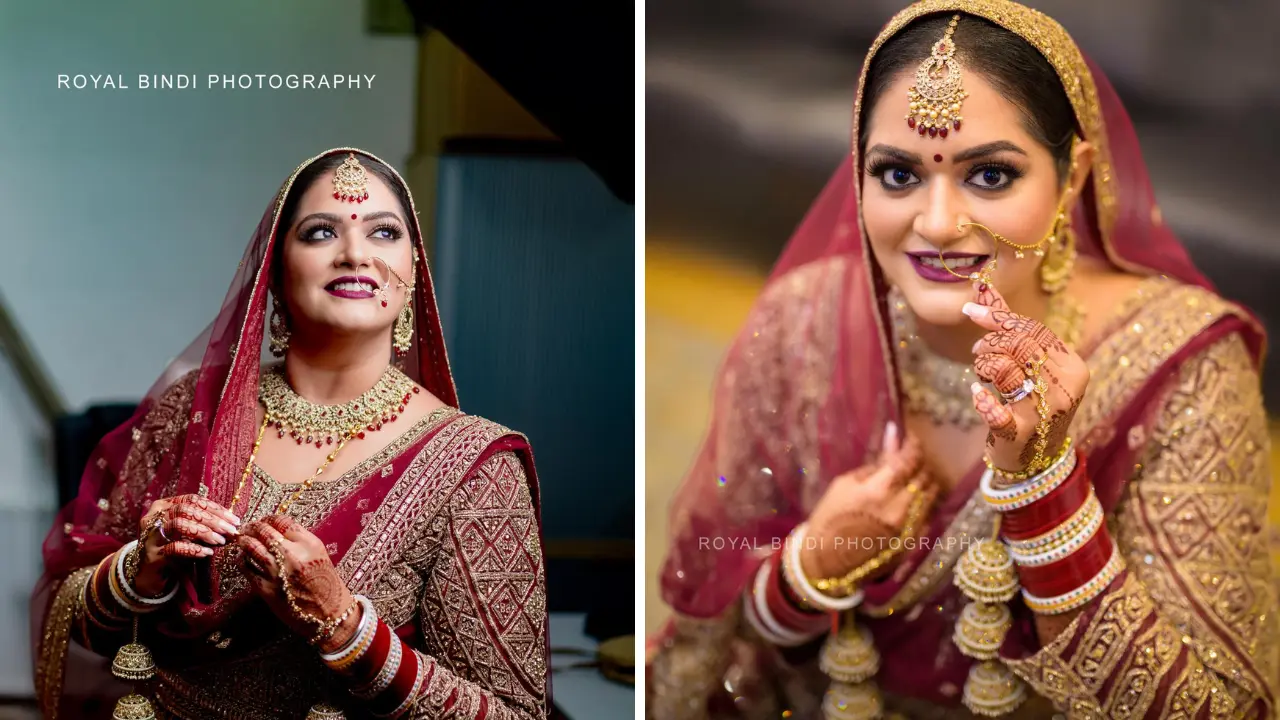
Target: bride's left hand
{"x": 314, "y": 584}
{"x": 1003, "y": 357}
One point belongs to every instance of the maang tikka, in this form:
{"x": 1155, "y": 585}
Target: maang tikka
{"x": 350, "y": 181}
{"x": 936, "y": 97}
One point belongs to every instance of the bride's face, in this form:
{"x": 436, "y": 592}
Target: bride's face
{"x": 330, "y": 277}
{"x": 916, "y": 189}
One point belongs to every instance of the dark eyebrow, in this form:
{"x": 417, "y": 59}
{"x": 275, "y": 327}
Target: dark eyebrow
{"x": 895, "y": 154}
{"x": 380, "y": 215}
{"x": 990, "y": 148}
{"x": 330, "y": 217}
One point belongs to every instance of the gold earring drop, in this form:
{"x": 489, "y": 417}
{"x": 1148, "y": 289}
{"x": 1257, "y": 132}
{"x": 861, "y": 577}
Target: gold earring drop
{"x": 402, "y": 335}
{"x": 278, "y": 328}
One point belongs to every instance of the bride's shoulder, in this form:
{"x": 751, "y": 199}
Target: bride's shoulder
{"x": 1153, "y": 309}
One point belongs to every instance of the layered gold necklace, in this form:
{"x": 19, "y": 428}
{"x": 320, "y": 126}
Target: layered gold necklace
{"x": 938, "y": 387}
{"x": 332, "y": 425}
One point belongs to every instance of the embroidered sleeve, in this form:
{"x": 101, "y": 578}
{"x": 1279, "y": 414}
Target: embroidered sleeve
{"x": 484, "y": 611}
{"x": 1190, "y": 629}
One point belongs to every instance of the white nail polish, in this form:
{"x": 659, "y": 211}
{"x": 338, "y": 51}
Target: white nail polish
{"x": 975, "y": 388}
{"x": 974, "y": 310}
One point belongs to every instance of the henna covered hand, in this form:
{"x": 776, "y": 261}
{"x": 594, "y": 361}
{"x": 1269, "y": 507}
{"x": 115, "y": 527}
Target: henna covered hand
{"x": 317, "y": 591}
{"x": 863, "y": 510}
{"x": 1014, "y": 346}
{"x": 177, "y": 529}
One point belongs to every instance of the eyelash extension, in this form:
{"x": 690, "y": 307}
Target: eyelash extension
{"x": 305, "y": 233}
{"x": 876, "y": 169}
{"x": 396, "y": 232}
{"x": 1012, "y": 172}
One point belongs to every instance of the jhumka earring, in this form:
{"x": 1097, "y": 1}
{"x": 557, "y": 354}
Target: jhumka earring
{"x": 935, "y": 99}
{"x": 350, "y": 181}
{"x": 402, "y": 335}
{"x": 278, "y": 328}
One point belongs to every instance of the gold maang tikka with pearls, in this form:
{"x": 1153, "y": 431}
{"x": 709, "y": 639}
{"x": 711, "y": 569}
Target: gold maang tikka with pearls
{"x": 351, "y": 181}
{"x": 935, "y": 99}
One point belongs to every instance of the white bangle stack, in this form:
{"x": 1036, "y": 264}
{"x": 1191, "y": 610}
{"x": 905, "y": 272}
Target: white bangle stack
{"x": 794, "y": 574}
{"x": 761, "y": 618}
{"x": 360, "y": 642}
{"x": 125, "y": 594}
{"x": 1033, "y": 488}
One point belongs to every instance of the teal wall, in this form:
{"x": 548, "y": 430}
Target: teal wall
{"x": 535, "y": 279}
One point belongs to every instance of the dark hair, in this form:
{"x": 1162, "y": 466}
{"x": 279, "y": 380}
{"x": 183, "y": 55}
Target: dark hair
{"x": 1005, "y": 60}
{"x": 318, "y": 169}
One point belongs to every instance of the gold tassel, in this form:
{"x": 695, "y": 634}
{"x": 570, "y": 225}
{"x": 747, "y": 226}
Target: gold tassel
{"x": 133, "y": 663}
{"x": 986, "y": 575}
{"x": 850, "y": 659}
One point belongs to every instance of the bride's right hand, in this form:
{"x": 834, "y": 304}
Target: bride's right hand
{"x": 187, "y": 526}
{"x": 863, "y": 510}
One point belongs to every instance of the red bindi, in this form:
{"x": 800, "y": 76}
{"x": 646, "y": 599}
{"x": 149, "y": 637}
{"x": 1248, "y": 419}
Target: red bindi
{"x": 353, "y": 216}
{"x": 937, "y": 158}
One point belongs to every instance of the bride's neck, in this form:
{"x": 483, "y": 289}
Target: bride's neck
{"x": 955, "y": 342}
{"x": 335, "y": 372}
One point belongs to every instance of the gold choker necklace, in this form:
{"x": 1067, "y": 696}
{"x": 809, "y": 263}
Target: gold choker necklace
{"x": 323, "y": 425}
{"x": 939, "y": 387}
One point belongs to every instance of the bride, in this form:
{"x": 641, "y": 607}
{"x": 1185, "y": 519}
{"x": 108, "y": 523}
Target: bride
{"x": 998, "y": 447}
{"x": 323, "y": 537}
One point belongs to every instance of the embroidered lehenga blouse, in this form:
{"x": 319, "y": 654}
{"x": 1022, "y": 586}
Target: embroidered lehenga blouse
{"x": 438, "y": 530}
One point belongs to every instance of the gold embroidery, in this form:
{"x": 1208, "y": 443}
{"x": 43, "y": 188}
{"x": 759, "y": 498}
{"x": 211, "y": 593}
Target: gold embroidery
{"x": 51, "y": 655}
{"x": 1192, "y": 523}
{"x": 1194, "y": 518}
{"x": 487, "y": 588}
{"x": 1170, "y": 316}
{"x": 285, "y": 677}
{"x": 160, "y": 430}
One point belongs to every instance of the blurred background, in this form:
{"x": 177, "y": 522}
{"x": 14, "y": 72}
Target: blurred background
{"x": 129, "y": 209}
{"x": 747, "y": 113}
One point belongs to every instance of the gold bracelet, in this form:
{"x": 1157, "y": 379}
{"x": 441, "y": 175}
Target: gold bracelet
{"x": 1016, "y": 477}
{"x": 331, "y": 626}
{"x": 848, "y": 584}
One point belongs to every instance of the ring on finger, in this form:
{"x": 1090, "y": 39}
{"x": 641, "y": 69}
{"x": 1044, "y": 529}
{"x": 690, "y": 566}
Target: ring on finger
{"x": 1021, "y": 392}
{"x": 159, "y": 526}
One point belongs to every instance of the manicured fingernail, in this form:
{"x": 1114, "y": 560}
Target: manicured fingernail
{"x": 975, "y": 345}
{"x": 228, "y": 528}
{"x": 236, "y": 520}
{"x": 206, "y": 552}
{"x": 221, "y": 540}
{"x": 890, "y": 433}
{"x": 975, "y": 388}
{"x": 974, "y": 310}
